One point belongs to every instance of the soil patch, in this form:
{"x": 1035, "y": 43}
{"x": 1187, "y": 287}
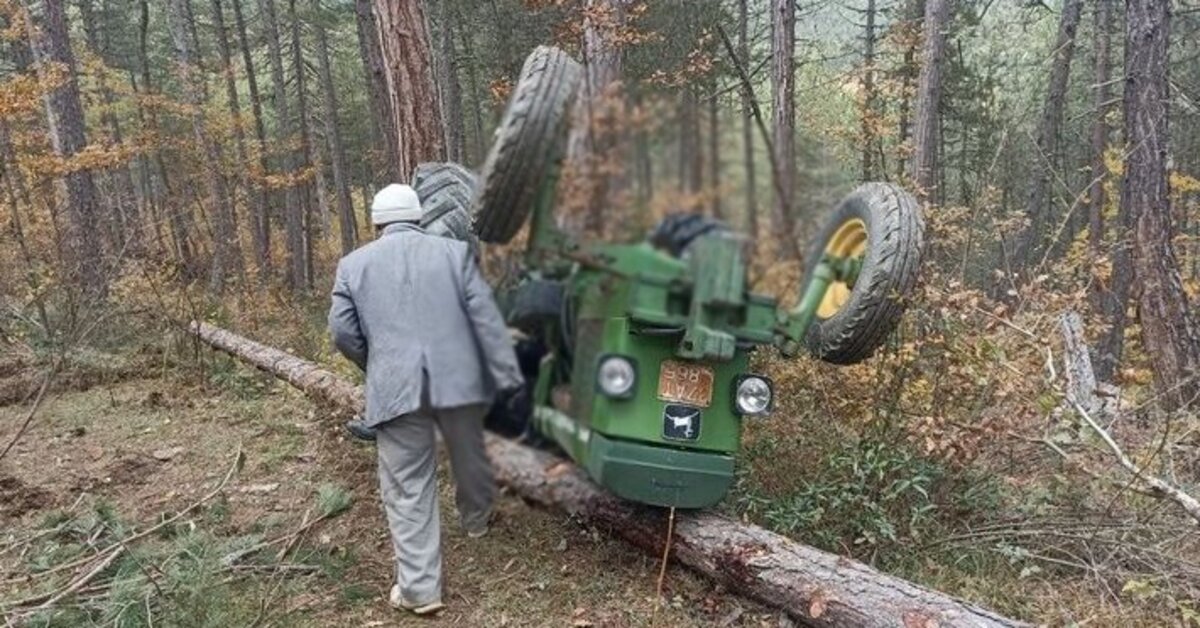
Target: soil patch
{"x": 18, "y": 498}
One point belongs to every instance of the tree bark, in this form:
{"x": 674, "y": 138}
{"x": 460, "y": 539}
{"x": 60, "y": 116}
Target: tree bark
{"x": 747, "y": 124}
{"x": 262, "y": 214}
{"x": 1047, "y": 160}
{"x": 411, "y": 93}
{"x": 82, "y": 254}
{"x": 337, "y": 151}
{"x": 812, "y": 586}
{"x": 227, "y": 259}
{"x": 922, "y": 167}
{"x": 783, "y": 117}
{"x": 293, "y": 210}
{"x": 1169, "y": 329}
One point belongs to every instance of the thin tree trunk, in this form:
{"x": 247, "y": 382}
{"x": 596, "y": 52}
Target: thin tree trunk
{"x": 1169, "y": 329}
{"x": 1046, "y": 157}
{"x": 1103, "y": 293}
{"x": 254, "y": 196}
{"x": 922, "y": 169}
{"x": 82, "y": 253}
{"x": 714, "y": 151}
{"x": 408, "y": 70}
{"x": 293, "y": 210}
{"x": 783, "y": 114}
{"x": 751, "y": 216}
{"x": 337, "y": 151}
{"x": 691, "y": 161}
{"x": 447, "y": 67}
{"x": 262, "y": 216}
{"x": 226, "y": 252}
{"x": 382, "y": 122}
{"x": 914, "y": 11}
{"x": 478, "y": 141}
{"x": 306, "y": 152}
{"x": 868, "y": 83}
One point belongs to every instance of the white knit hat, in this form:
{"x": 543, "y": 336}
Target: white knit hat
{"x": 395, "y": 203}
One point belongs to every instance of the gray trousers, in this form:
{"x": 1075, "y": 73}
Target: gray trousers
{"x": 408, "y": 485}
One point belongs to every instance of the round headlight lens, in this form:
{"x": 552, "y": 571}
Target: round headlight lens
{"x": 753, "y": 396}
{"x": 616, "y": 376}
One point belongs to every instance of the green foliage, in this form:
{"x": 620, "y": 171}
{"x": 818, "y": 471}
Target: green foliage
{"x": 869, "y": 497}
{"x": 333, "y": 500}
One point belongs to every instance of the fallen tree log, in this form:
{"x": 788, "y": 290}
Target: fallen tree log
{"x": 814, "y": 587}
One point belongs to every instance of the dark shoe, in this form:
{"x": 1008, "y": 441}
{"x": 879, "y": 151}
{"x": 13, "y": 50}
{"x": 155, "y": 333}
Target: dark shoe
{"x": 358, "y": 429}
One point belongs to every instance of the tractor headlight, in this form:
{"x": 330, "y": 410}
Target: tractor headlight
{"x": 616, "y": 376}
{"x": 753, "y": 395}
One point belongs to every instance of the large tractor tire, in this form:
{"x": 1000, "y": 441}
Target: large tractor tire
{"x": 528, "y": 143}
{"x": 445, "y": 190}
{"x": 882, "y": 224}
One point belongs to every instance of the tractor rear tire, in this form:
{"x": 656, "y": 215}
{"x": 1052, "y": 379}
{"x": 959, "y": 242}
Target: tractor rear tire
{"x": 445, "y": 190}
{"x": 895, "y": 242}
{"x": 529, "y": 142}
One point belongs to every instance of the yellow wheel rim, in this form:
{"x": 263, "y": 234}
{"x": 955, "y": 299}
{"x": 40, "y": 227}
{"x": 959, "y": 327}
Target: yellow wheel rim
{"x": 849, "y": 241}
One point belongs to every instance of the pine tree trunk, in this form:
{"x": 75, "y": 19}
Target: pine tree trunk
{"x": 714, "y": 151}
{"x": 922, "y": 168}
{"x": 1169, "y": 329}
{"x": 83, "y": 256}
{"x": 293, "y": 210}
{"x": 447, "y": 67}
{"x": 262, "y": 213}
{"x": 383, "y": 124}
{"x": 1105, "y": 294}
{"x": 1046, "y": 158}
{"x": 479, "y": 143}
{"x": 868, "y": 138}
{"x": 226, "y": 252}
{"x": 337, "y": 151}
{"x": 691, "y": 162}
{"x": 783, "y": 118}
{"x": 747, "y": 124}
{"x": 310, "y": 222}
{"x": 411, "y": 93}
{"x": 254, "y": 196}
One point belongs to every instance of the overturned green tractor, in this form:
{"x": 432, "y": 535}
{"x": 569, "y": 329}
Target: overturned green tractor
{"x": 637, "y": 354}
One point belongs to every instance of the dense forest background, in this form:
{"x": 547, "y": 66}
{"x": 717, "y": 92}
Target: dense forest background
{"x": 180, "y": 159}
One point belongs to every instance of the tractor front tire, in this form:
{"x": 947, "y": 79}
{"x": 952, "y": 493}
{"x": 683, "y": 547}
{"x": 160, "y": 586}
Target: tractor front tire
{"x": 529, "y": 142}
{"x": 445, "y": 190}
{"x": 890, "y": 219}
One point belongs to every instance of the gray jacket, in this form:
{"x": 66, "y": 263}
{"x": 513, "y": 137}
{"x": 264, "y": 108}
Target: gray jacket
{"x": 410, "y": 308}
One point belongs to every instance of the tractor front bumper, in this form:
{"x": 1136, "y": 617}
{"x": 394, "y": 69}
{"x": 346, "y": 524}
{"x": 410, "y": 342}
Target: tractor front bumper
{"x": 660, "y": 476}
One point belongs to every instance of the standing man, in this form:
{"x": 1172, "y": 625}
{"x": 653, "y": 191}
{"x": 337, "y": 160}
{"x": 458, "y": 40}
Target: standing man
{"x": 412, "y": 310}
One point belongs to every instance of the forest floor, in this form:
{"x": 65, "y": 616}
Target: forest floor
{"x": 125, "y": 454}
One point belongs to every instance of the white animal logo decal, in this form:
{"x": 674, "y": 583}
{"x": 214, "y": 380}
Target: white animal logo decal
{"x": 684, "y": 423}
